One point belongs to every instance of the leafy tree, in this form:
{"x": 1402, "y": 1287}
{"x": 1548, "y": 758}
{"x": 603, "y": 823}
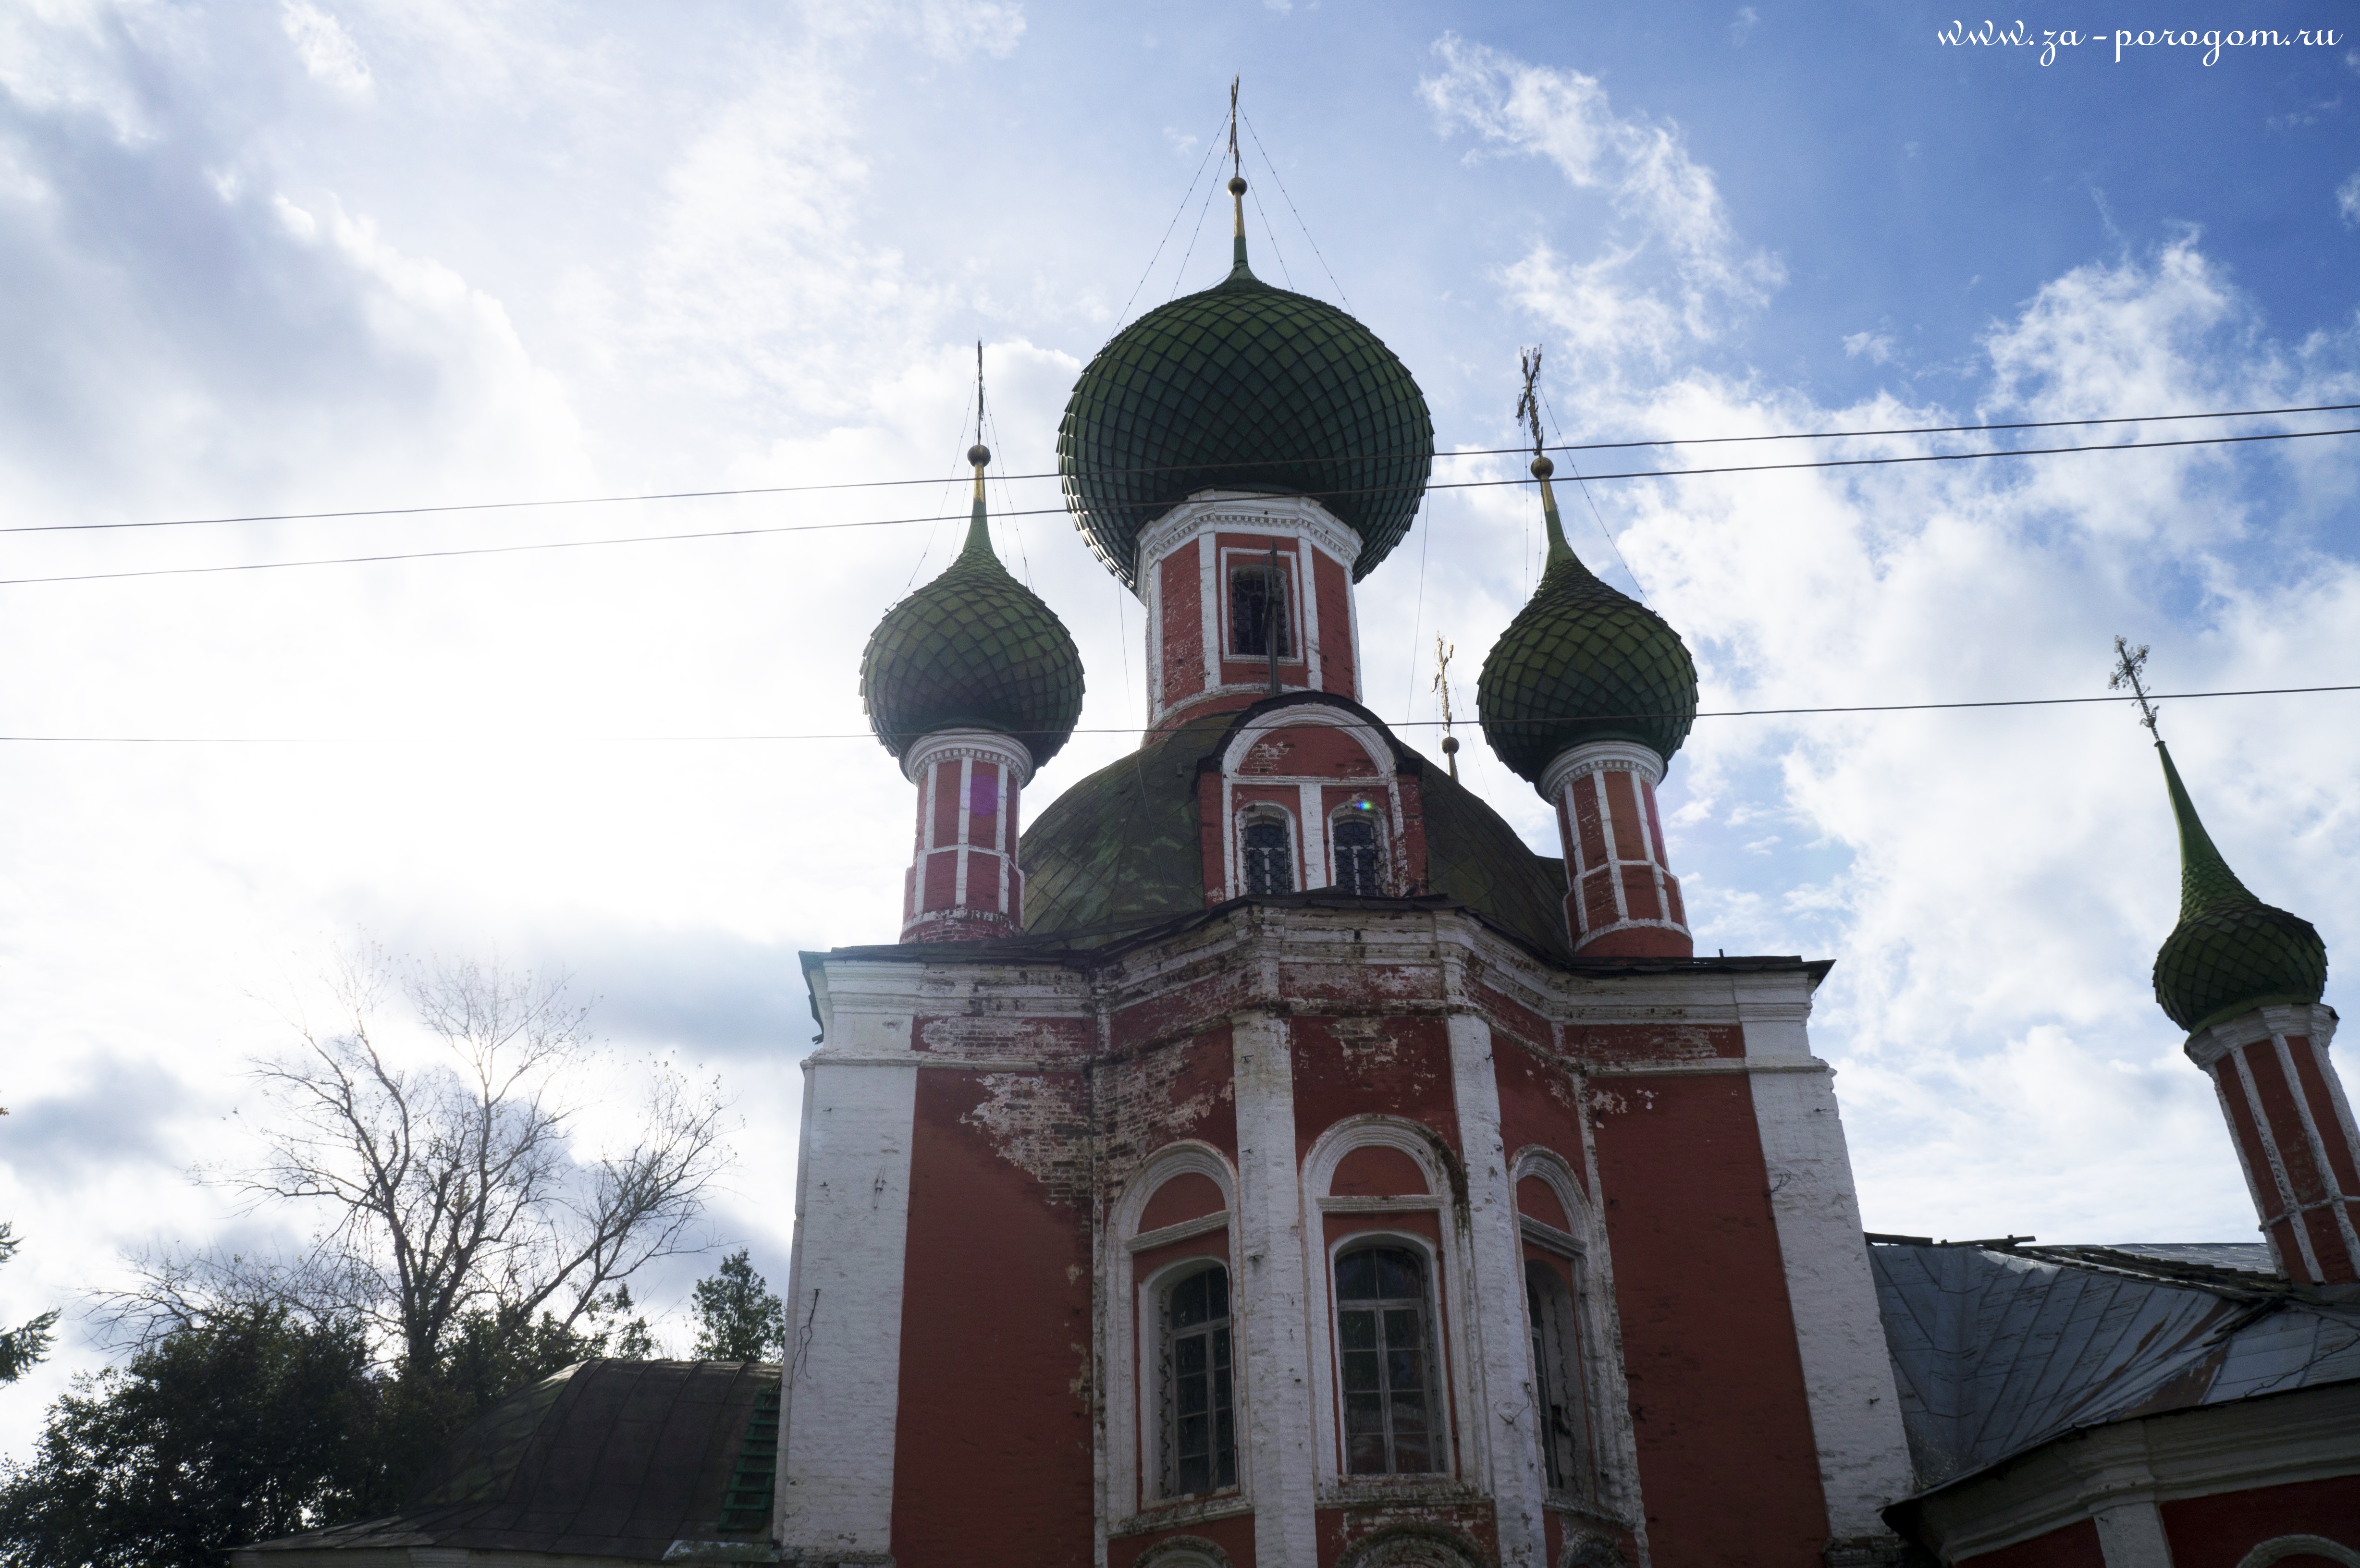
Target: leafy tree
{"x": 253, "y": 1426}
{"x": 28, "y": 1342}
{"x": 738, "y": 1318}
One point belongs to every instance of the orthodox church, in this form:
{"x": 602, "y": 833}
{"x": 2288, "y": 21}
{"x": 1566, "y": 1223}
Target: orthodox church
{"x": 1260, "y": 1158}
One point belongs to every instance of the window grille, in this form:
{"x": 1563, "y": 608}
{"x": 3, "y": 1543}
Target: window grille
{"x": 1358, "y": 867}
{"x": 1200, "y": 1445}
{"x": 1269, "y": 858}
{"x": 1557, "y": 1377}
{"x": 1258, "y": 613}
{"x": 1383, "y": 1340}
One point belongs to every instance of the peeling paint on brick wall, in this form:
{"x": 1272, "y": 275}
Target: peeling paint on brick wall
{"x": 1036, "y": 1123}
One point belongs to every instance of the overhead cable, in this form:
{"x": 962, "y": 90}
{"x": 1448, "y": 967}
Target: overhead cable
{"x": 1253, "y": 463}
{"x": 1134, "y": 729}
{"x": 1039, "y": 511}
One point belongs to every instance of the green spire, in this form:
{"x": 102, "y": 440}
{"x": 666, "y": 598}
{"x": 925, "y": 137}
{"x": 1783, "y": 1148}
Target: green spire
{"x": 2230, "y": 953}
{"x": 2205, "y": 880}
{"x": 973, "y": 649}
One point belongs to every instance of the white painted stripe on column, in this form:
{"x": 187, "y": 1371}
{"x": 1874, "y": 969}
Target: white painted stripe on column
{"x": 966, "y": 830}
{"x": 1507, "y": 1462}
{"x": 2131, "y": 1536}
{"x": 1208, "y": 607}
{"x": 2332, "y": 1184}
{"x": 836, "y": 1448}
{"x": 1606, "y": 837}
{"x": 1847, "y": 1369}
{"x": 2221, "y": 1090}
{"x": 1273, "y": 1298}
{"x": 1316, "y": 873}
{"x": 2290, "y": 1202}
{"x": 1306, "y": 588}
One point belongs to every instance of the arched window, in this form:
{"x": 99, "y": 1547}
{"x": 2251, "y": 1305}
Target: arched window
{"x": 1384, "y": 1344}
{"x": 1200, "y": 1439}
{"x": 1557, "y": 1377}
{"x": 1357, "y": 855}
{"x": 1267, "y": 851}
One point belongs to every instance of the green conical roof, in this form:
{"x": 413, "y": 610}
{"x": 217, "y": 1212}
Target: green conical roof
{"x": 2230, "y": 952}
{"x": 973, "y": 649}
{"x": 1244, "y": 387}
{"x": 1583, "y": 662}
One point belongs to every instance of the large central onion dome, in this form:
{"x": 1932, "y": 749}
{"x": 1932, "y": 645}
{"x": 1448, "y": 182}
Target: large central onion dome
{"x": 2230, "y": 952}
{"x": 1244, "y": 387}
{"x": 1583, "y": 662}
{"x": 974, "y": 650}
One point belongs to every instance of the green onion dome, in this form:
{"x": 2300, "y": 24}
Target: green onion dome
{"x": 1244, "y": 387}
{"x": 1583, "y": 662}
{"x": 2230, "y": 952}
{"x": 973, "y": 649}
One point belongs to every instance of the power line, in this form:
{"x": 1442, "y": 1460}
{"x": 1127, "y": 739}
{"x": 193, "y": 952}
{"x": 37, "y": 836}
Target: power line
{"x": 1166, "y": 468}
{"x": 1041, "y": 511}
{"x": 1134, "y": 729}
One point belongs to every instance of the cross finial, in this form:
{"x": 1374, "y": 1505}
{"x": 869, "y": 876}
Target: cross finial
{"x": 2130, "y": 668}
{"x": 1528, "y": 406}
{"x": 1237, "y": 167}
{"x": 1443, "y": 653}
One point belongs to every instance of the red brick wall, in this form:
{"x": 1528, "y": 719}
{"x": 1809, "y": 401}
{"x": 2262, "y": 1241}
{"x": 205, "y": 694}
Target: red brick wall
{"x": 1727, "y": 1466}
{"x": 993, "y": 1440}
{"x": 1398, "y": 1067}
{"x": 2218, "y": 1530}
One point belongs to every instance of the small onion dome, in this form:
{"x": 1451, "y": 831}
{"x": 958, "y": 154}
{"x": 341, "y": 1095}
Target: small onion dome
{"x": 1244, "y": 387}
{"x": 1583, "y": 662}
{"x": 2230, "y": 953}
{"x": 973, "y": 649}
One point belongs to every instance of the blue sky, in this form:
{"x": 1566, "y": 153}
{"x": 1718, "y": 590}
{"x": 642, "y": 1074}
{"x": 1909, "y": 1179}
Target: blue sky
{"x": 329, "y": 254}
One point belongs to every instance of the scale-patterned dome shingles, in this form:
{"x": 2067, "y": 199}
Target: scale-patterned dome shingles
{"x": 1583, "y": 662}
{"x": 973, "y": 649}
{"x": 1244, "y": 387}
{"x": 2230, "y": 951}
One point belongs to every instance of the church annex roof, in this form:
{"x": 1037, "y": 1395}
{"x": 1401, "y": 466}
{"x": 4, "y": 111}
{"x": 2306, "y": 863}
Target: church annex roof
{"x": 1998, "y": 1348}
{"x": 625, "y": 1460}
{"x": 1244, "y": 387}
{"x": 1123, "y": 846}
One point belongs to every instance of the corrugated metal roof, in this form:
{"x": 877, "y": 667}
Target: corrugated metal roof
{"x": 620, "y": 1459}
{"x": 1998, "y": 1348}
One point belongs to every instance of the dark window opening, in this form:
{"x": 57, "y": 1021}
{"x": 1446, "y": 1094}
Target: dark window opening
{"x": 1200, "y": 1443}
{"x": 1257, "y": 614}
{"x": 1358, "y": 869}
{"x": 1384, "y": 1343}
{"x": 1557, "y": 1377}
{"x": 1268, "y": 858}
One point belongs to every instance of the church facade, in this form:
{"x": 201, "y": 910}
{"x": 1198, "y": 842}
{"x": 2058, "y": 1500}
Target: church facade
{"x": 1260, "y": 1158}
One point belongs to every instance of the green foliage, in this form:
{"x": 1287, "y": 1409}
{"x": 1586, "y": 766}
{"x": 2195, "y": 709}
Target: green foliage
{"x": 738, "y": 1318}
{"x": 254, "y": 1426}
{"x": 26, "y": 1343}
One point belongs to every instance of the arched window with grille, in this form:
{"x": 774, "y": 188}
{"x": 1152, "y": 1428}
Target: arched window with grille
{"x": 1385, "y": 1355}
{"x": 1200, "y": 1439}
{"x": 1356, "y": 850}
{"x": 1266, "y": 852}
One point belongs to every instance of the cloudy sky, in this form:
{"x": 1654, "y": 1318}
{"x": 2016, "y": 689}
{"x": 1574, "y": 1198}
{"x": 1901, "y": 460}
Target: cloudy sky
{"x": 308, "y": 255}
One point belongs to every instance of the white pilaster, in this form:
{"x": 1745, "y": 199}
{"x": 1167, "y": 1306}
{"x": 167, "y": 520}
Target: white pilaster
{"x": 2131, "y": 1535}
{"x": 1847, "y": 1369}
{"x": 844, "y": 1352}
{"x": 1506, "y": 1459}
{"x": 1273, "y": 1298}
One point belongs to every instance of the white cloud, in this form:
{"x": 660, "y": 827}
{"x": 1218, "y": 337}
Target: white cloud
{"x": 326, "y": 49}
{"x": 1877, "y": 347}
{"x": 2347, "y": 200}
{"x": 1670, "y": 272}
{"x": 1742, "y": 25}
{"x": 954, "y": 30}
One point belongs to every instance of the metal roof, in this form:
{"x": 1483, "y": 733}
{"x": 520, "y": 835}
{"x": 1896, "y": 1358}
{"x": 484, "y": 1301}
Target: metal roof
{"x": 1998, "y": 1348}
{"x": 635, "y": 1460}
